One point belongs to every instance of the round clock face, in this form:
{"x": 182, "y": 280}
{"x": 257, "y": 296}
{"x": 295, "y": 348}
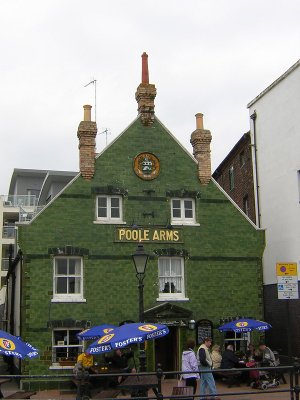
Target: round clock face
{"x": 146, "y": 166}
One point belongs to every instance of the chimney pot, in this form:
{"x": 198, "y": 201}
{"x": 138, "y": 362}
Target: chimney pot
{"x": 87, "y": 112}
{"x": 145, "y": 70}
{"x": 199, "y": 121}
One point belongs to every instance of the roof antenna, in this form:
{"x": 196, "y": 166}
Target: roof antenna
{"x": 107, "y": 132}
{"x": 94, "y": 82}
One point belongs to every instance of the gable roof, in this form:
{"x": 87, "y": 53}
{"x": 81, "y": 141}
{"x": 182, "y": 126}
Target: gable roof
{"x": 275, "y": 83}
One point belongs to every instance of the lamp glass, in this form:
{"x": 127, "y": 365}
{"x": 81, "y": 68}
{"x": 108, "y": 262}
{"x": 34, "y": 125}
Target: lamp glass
{"x": 140, "y": 258}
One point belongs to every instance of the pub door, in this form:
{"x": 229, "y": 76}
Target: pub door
{"x": 166, "y": 351}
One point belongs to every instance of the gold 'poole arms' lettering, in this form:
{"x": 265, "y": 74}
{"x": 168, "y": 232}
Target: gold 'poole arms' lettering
{"x": 147, "y": 235}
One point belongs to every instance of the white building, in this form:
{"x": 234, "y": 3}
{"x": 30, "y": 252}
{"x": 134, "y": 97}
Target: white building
{"x": 275, "y": 134}
{"x": 30, "y": 190}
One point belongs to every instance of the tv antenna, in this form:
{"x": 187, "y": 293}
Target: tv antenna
{"x": 94, "y": 82}
{"x": 107, "y": 132}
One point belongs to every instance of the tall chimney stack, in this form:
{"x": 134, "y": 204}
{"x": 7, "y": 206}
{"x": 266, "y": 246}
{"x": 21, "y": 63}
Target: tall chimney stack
{"x": 200, "y": 140}
{"x": 145, "y": 94}
{"x": 87, "y": 131}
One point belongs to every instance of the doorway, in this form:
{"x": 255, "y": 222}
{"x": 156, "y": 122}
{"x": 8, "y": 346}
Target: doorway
{"x": 166, "y": 351}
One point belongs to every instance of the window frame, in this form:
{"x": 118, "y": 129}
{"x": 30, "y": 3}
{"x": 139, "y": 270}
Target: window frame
{"x": 171, "y": 296}
{"x": 231, "y": 177}
{"x": 68, "y": 297}
{"x": 182, "y": 220}
{"x": 109, "y": 219}
{"x": 246, "y": 205}
{"x": 54, "y": 357}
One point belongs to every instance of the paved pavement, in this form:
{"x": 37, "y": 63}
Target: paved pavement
{"x": 224, "y": 392}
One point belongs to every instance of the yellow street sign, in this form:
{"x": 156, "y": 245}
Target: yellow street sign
{"x": 286, "y": 269}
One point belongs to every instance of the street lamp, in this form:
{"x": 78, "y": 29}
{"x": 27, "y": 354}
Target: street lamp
{"x": 140, "y": 259}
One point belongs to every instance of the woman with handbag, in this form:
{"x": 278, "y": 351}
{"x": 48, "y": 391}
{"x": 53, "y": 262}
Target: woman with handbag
{"x": 190, "y": 365}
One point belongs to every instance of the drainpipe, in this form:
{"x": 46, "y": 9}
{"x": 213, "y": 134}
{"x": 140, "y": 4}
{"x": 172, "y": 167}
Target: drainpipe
{"x": 253, "y": 117}
{"x": 13, "y": 286}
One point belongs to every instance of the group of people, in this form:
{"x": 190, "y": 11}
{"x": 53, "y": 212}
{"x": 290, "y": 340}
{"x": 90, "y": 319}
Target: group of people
{"x": 118, "y": 361}
{"x": 207, "y": 360}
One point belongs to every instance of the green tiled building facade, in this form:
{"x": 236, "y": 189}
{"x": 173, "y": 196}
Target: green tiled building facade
{"x": 205, "y": 256}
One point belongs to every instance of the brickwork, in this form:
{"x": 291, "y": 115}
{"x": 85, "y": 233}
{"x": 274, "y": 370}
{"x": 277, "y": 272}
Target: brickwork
{"x": 200, "y": 140}
{"x": 87, "y": 131}
{"x": 222, "y": 270}
{"x": 240, "y": 160}
{"x": 145, "y": 95}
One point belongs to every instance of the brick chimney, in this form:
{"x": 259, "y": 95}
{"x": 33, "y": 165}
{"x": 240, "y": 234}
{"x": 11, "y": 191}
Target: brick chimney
{"x": 87, "y": 131}
{"x": 145, "y": 94}
{"x": 200, "y": 140}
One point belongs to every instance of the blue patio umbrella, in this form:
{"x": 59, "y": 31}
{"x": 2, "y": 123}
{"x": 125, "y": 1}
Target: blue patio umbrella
{"x": 244, "y": 325}
{"x": 11, "y": 345}
{"x": 127, "y": 335}
{"x": 95, "y": 332}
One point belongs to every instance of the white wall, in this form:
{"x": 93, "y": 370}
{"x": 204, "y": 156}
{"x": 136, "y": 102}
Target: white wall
{"x": 278, "y": 158}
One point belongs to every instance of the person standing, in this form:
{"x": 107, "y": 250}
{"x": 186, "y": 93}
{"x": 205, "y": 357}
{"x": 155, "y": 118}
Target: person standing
{"x": 190, "y": 365}
{"x": 205, "y": 364}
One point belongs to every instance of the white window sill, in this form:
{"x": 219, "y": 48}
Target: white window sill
{"x": 172, "y": 299}
{"x": 68, "y": 300}
{"x": 185, "y": 223}
{"x": 109, "y": 222}
{"x": 61, "y": 367}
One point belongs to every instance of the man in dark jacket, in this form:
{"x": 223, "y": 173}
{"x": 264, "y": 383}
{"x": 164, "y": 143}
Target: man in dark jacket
{"x": 229, "y": 359}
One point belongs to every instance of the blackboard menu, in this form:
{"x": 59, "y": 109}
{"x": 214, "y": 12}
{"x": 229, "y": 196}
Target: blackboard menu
{"x": 204, "y": 329}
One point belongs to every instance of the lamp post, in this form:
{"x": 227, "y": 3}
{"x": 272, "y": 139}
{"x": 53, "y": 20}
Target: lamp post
{"x": 140, "y": 259}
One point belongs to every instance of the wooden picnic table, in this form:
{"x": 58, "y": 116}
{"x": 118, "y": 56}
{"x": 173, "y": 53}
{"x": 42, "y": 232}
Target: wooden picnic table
{"x": 141, "y": 383}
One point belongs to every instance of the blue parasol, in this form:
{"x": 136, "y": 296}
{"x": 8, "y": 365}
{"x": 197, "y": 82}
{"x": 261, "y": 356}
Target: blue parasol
{"x": 11, "y": 345}
{"x": 245, "y": 325}
{"x": 126, "y": 335}
{"x": 95, "y": 332}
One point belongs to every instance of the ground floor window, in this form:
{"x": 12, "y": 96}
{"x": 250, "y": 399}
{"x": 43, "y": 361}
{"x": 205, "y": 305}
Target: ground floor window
{"x": 65, "y": 346}
{"x": 240, "y": 341}
{"x": 171, "y": 277}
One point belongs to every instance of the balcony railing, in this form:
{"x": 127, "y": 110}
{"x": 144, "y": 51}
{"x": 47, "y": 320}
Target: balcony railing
{"x": 19, "y": 201}
{"x": 4, "y": 264}
{"x": 8, "y": 232}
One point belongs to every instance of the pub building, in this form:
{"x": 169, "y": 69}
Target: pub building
{"x": 75, "y": 266}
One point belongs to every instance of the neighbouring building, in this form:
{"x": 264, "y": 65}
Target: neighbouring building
{"x": 235, "y": 175}
{"x": 77, "y": 270}
{"x": 275, "y": 126}
{"x": 28, "y": 193}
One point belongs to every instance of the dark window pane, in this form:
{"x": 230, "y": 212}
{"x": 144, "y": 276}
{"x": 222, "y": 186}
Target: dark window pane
{"x": 115, "y": 213}
{"x": 72, "y": 263}
{"x": 102, "y": 212}
{"x": 114, "y": 201}
{"x": 72, "y": 337}
{"x": 188, "y": 213}
{"x": 176, "y": 203}
{"x": 176, "y": 213}
{"x": 59, "y": 336}
{"x": 102, "y": 202}
{"x": 61, "y": 285}
{"x": 61, "y": 266}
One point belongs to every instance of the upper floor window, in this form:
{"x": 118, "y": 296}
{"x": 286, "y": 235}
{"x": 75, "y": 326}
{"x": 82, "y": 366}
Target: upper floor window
{"x": 109, "y": 209}
{"x": 65, "y": 346}
{"x": 183, "y": 211}
{"x": 171, "y": 277}
{"x": 231, "y": 178}
{"x": 242, "y": 158}
{"x": 246, "y": 205}
{"x": 68, "y": 279}
{"x": 299, "y": 184}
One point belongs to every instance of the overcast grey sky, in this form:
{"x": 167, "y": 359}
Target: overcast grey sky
{"x": 209, "y": 56}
